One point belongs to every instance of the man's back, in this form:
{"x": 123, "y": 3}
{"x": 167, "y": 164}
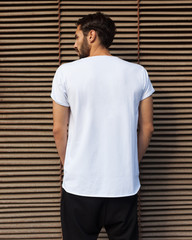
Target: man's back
{"x": 103, "y": 99}
{"x": 104, "y": 93}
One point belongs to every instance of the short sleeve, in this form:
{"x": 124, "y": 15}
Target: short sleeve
{"x": 59, "y": 92}
{"x": 148, "y": 89}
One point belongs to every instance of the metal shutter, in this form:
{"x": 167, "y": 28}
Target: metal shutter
{"x": 166, "y": 171}
{"x": 30, "y": 168}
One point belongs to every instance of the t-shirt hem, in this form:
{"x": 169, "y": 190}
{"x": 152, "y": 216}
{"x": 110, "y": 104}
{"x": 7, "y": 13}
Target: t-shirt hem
{"x": 103, "y": 195}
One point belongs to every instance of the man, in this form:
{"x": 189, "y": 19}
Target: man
{"x": 105, "y": 100}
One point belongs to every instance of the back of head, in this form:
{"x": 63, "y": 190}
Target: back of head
{"x": 102, "y": 24}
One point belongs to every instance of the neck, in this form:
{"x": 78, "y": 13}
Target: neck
{"x": 99, "y": 50}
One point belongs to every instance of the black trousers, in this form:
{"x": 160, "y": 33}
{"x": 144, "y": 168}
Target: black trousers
{"x": 83, "y": 217}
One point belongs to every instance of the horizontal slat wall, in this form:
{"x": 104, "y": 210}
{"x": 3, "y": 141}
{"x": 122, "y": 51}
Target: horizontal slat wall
{"x": 30, "y": 170}
{"x": 124, "y": 13}
{"x": 29, "y": 164}
{"x": 166, "y": 171}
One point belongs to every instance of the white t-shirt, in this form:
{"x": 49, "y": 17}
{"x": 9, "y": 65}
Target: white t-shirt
{"x": 103, "y": 93}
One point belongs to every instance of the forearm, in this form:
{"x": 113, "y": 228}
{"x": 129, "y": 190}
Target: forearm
{"x": 61, "y": 143}
{"x": 144, "y": 137}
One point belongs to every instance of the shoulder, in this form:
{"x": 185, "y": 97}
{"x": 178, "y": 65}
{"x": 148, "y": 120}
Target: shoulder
{"x": 72, "y": 64}
{"x": 131, "y": 65}
{"x": 68, "y": 67}
{"x": 137, "y": 67}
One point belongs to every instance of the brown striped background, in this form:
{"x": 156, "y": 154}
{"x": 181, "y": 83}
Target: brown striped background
{"x": 36, "y": 37}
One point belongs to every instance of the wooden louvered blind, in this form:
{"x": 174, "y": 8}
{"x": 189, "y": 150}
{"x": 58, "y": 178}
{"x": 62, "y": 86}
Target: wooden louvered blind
{"x": 37, "y": 36}
{"x": 29, "y": 164}
{"x": 166, "y": 172}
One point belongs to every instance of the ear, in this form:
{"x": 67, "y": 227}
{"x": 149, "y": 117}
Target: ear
{"x": 92, "y": 35}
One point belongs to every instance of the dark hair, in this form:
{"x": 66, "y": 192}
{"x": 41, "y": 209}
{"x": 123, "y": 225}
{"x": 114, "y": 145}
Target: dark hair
{"x": 102, "y": 24}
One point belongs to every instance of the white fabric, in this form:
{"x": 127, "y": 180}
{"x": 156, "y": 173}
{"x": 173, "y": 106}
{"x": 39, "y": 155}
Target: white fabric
{"x": 103, "y": 93}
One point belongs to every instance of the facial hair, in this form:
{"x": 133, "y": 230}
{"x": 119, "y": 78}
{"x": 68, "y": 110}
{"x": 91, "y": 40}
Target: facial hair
{"x": 84, "y": 50}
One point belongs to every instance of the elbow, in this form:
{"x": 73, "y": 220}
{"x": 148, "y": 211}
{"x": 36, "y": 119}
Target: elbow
{"x": 151, "y": 129}
{"x": 56, "y": 131}
{"x": 59, "y": 132}
{"x": 147, "y": 129}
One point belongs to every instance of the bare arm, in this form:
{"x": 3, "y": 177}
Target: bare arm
{"x": 60, "y": 126}
{"x": 145, "y": 129}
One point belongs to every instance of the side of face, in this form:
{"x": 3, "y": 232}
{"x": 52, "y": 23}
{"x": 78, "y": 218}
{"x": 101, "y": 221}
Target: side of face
{"x": 81, "y": 45}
